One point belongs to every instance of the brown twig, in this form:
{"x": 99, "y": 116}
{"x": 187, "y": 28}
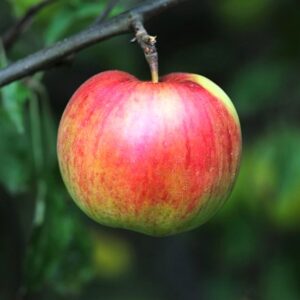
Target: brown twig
{"x": 147, "y": 43}
{"x": 12, "y": 34}
{"x": 49, "y": 56}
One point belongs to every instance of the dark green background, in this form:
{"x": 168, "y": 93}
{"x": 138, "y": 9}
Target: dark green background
{"x": 250, "y": 250}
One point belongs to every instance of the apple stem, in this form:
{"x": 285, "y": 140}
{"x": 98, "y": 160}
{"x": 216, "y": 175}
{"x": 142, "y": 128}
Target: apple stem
{"x": 147, "y": 43}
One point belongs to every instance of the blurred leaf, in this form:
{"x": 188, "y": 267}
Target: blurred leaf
{"x": 75, "y": 268}
{"x": 258, "y": 86}
{"x": 112, "y": 256}
{"x": 36, "y": 135}
{"x": 212, "y": 57}
{"x": 240, "y": 244}
{"x": 49, "y": 129}
{"x": 69, "y": 19}
{"x": 285, "y": 208}
{"x": 243, "y": 15}
{"x": 58, "y": 255}
{"x": 16, "y": 169}
{"x": 63, "y": 17}
{"x": 107, "y": 56}
{"x": 279, "y": 281}
{"x": 220, "y": 288}
{"x": 43, "y": 125}
{"x": 20, "y": 7}
{"x": 59, "y": 26}
{"x": 271, "y": 171}
{"x": 15, "y": 164}
{"x": 13, "y": 97}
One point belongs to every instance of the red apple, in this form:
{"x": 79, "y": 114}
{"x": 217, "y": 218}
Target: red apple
{"x": 158, "y": 158}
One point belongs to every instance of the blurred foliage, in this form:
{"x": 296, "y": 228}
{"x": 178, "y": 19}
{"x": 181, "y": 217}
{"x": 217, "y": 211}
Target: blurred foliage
{"x": 266, "y": 93}
{"x": 271, "y": 171}
{"x": 13, "y": 96}
{"x": 242, "y": 15}
{"x": 56, "y": 253}
{"x": 15, "y": 171}
{"x": 112, "y": 256}
{"x": 250, "y": 250}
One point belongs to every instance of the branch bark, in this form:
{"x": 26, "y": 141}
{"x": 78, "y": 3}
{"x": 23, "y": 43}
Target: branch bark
{"x": 49, "y": 56}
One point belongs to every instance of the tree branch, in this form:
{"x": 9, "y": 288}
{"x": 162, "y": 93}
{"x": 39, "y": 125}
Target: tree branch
{"x": 11, "y": 35}
{"x": 51, "y": 55}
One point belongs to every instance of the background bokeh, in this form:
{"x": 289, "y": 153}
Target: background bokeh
{"x": 250, "y": 250}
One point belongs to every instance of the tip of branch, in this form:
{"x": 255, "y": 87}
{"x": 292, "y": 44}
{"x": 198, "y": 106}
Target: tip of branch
{"x": 151, "y": 39}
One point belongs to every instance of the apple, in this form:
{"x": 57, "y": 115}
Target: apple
{"x": 157, "y": 158}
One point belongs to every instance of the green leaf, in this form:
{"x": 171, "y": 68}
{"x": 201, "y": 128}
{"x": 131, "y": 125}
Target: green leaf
{"x": 258, "y": 86}
{"x": 13, "y": 97}
{"x": 59, "y": 250}
{"x": 15, "y": 164}
{"x": 69, "y": 19}
{"x": 279, "y": 281}
{"x": 243, "y": 14}
{"x": 20, "y": 7}
{"x": 270, "y": 169}
{"x": 49, "y": 129}
{"x": 58, "y": 26}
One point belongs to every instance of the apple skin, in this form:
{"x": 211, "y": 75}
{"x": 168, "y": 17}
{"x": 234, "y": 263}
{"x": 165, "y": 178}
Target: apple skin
{"x": 157, "y": 158}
